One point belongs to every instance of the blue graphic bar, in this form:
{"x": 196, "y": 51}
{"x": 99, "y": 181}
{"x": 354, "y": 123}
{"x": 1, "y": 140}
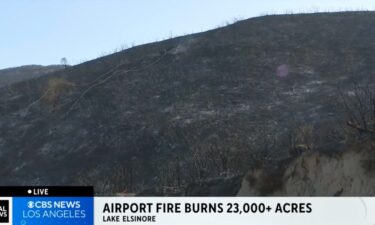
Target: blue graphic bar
{"x": 53, "y": 210}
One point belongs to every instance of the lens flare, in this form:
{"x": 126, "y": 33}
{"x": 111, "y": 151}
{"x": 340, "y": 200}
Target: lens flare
{"x": 282, "y": 70}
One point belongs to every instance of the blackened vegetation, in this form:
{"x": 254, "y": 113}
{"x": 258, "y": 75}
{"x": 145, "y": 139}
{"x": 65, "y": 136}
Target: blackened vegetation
{"x": 215, "y": 187}
{"x": 192, "y": 108}
{"x": 359, "y": 105}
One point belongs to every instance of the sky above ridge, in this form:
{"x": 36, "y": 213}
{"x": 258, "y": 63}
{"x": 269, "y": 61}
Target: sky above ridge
{"x": 44, "y": 31}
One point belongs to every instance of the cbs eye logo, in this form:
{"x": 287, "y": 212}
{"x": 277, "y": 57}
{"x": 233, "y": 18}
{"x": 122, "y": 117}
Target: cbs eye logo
{"x": 4, "y": 211}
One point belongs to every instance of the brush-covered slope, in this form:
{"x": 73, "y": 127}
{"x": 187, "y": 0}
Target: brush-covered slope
{"x": 189, "y": 108}
{"x": 17, "y": 74}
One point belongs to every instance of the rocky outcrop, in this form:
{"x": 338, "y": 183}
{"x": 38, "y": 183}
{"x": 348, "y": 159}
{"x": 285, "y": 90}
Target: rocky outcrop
{"x": 350, "y": 173}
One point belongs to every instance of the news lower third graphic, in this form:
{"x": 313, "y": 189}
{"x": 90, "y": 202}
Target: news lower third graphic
{"x": 78, "y": 206}
{"x": 235, "y": 211}
{"x": 46, "y": 205}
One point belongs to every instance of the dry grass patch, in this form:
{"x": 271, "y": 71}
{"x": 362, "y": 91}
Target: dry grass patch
{"x": 55, "y": 89}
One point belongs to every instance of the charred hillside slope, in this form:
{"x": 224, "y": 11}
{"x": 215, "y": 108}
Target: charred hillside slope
{"x": 190, "y": 108}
